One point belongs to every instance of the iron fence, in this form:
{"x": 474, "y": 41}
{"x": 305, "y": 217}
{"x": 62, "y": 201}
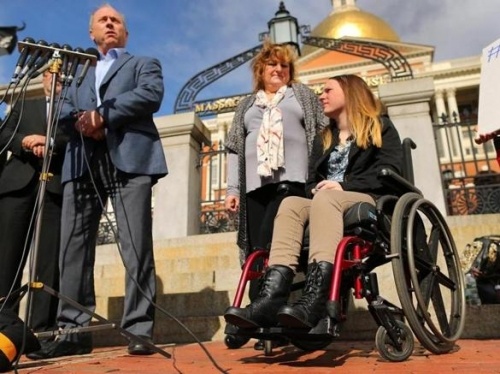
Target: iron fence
{"x": 470, "y": 176}
{"x": 469, "y": 171}
{"x": 213, "y": 166}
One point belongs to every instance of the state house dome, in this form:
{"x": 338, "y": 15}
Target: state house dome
{"x": 352, "y": 22}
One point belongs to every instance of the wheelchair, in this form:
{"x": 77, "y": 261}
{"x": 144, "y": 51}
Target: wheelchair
{"x": 405, "y": 230}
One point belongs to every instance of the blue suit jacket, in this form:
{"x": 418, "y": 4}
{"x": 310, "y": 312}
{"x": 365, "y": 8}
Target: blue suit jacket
{"x": 130, "y": 93}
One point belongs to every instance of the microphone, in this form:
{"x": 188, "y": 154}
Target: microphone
{"x": 89, "y": 51}
{"x": 73, "y": 67}
{"x": 22, "y": 58}
{"x": 42, "y": 61}
{"x": 32, "y": 59}
{"x": 65, "y": 61}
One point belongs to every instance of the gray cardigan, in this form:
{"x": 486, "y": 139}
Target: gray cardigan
{"x": 314, "y": 120}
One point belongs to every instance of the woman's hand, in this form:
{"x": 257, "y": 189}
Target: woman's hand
{"x": 327, "y": 185}
{"x": 232, "y": 204}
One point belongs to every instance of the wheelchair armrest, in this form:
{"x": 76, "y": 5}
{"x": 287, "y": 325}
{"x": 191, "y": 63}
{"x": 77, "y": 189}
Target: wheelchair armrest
{"x": 394, "y": 181}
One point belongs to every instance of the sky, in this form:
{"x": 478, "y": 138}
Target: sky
{"x": 189, "y": 36}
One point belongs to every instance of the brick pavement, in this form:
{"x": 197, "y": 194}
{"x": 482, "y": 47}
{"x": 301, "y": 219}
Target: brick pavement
{"x": 349, "y": 357}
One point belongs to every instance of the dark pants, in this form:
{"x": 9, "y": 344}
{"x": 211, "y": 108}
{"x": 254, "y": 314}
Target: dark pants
{"x": 17, "y": 223}
{"x": 262, "y": 206}
{"x": 83, "y": 202}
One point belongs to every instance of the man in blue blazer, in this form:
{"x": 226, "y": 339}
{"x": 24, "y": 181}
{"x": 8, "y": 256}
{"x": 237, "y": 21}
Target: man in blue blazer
{"x": 114, "y": 152}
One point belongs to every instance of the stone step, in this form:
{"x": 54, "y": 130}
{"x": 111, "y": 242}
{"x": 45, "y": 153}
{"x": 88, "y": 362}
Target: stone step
{"x": 177, "y": 265}
{"x": 167, "y": 283}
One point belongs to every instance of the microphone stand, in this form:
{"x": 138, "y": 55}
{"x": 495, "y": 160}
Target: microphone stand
{"x": 45, "y": 176}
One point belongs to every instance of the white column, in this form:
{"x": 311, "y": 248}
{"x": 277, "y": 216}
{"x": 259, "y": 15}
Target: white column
{"x": 408, "y": 106}
{"x": 440, "y": 106}
{"x": 177, "y": 208}
{"x": 452, "y": 105}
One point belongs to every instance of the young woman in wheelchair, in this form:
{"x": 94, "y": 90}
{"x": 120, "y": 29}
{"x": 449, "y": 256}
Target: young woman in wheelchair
{"x": 343, "y": 168}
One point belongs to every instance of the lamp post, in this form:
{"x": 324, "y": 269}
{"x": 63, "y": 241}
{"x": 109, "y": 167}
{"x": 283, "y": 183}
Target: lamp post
{"x": 285, "y": 29}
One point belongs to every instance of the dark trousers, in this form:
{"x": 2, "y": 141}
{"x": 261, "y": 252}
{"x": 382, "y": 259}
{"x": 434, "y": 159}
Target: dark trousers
{"x": 17, "y": 221}
{"x": 262, "y": 206}
{"x": 83, "y": 202}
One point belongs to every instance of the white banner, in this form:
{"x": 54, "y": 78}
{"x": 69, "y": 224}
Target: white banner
{"x": 489, "y": 91}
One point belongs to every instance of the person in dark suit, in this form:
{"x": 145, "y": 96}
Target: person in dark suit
{"x": 19, "y": 185}
{"x": 114, "y": 152}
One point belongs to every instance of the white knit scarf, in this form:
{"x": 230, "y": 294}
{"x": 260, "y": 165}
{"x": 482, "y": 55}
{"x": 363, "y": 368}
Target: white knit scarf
{"x": 270, "y": 152}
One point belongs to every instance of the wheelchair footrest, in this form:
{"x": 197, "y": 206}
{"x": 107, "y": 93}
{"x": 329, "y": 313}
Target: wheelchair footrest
{"x": 326, "y": 328}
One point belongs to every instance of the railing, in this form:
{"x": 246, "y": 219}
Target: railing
{"x": 469, "y": 171}
{"x": 213, "y": 165}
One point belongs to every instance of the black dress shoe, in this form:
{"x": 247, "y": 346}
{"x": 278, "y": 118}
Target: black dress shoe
{"x": 59, "y": 348}
{"x": 139, "y": 349}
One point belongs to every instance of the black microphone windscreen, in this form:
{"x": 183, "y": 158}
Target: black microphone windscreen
{"x": 92, "y": 51}
{"x": 89, "y": 51}
{"x": 73, "y": 66}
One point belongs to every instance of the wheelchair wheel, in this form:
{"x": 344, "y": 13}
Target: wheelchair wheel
{"x": 311, "y": 345}
{"x": 235, "y": 341}
{"x": 388, "y": 349}
{"x": 427, "y": 272}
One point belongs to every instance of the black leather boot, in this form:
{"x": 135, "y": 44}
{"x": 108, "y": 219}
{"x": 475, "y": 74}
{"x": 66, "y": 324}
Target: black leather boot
{"x": 273, "y": 294}
{"x": 311, "y": 307}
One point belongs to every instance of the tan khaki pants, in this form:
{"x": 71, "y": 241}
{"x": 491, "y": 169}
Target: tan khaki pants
{"x": 324, "y": 213}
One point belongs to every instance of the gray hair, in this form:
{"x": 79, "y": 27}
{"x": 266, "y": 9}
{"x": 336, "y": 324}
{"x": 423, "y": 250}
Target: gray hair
{"x": 106, "y": 5}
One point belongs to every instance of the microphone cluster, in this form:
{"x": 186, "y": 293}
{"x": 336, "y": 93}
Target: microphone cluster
{"x": 35, "y": 56}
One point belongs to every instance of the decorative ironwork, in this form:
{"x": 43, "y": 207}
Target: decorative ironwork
{"x": 214, "y": 218}
{"x": 185, "y": 98}
{"x": 107, "y": 231}
{"x": 470, "y": 172}
{"x": 215, "y": 221}
{"x": 218, "y": 105}
{"x": 391, "y": 58}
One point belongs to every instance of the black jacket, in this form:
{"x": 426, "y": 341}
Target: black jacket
{"x": 363, "y": 164}
{"x": 23, "y": 166}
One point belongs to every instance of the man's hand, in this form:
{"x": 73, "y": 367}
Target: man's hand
{"x": 31, "y": 141}
{"x": 89, "y": 122}
{"x": 39, "y": 151}
{"x": 98, "y": 134}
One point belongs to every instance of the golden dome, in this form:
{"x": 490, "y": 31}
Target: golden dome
{"x": 352, "y": 23}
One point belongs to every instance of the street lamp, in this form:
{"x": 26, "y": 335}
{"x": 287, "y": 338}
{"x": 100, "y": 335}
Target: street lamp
{"x": 284, "y": 28}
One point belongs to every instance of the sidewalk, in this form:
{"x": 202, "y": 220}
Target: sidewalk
{"x": 349, "y": 357}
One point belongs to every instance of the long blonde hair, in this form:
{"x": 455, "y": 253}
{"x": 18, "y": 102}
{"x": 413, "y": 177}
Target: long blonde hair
{"x": 363, "y": 111}
{"x": 272, "y": 53}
